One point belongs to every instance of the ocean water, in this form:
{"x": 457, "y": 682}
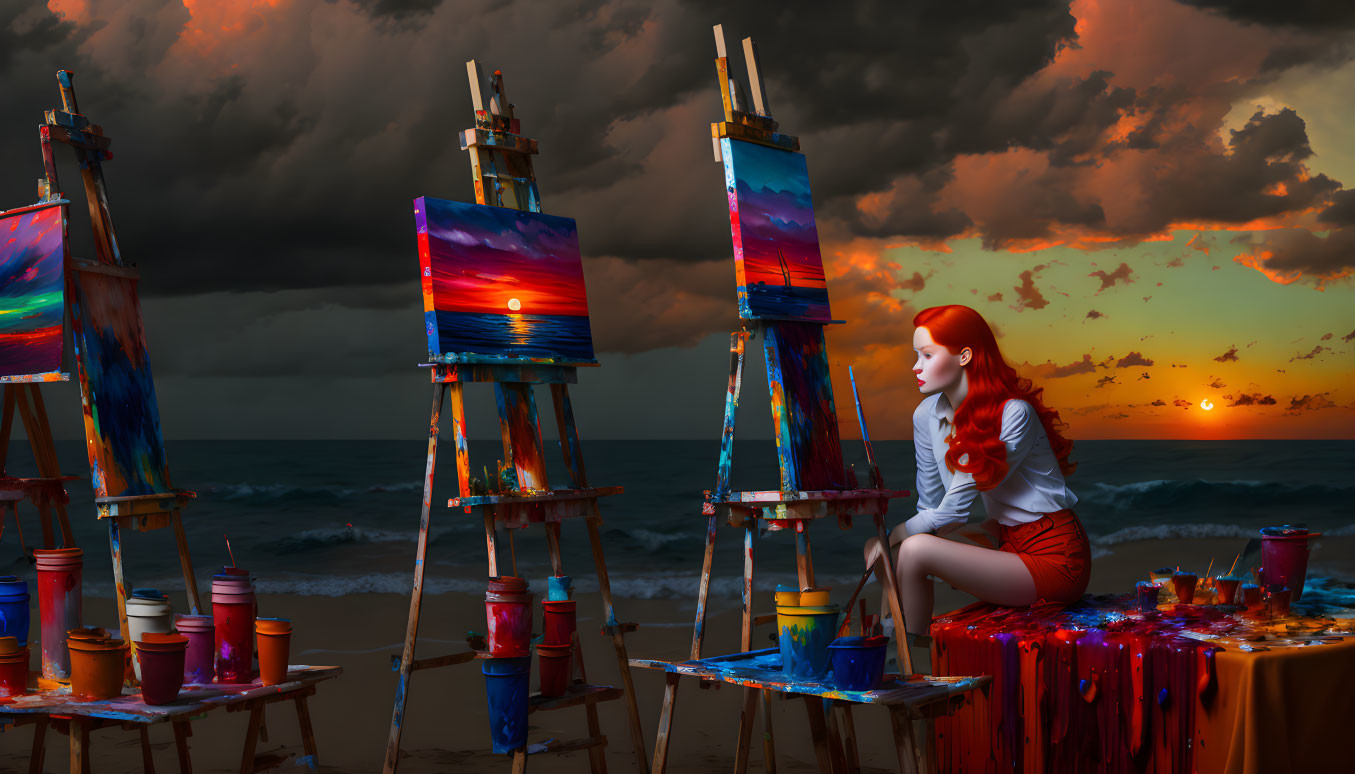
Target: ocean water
{"x": 340, "y": 517}
{"x": 522, "y": 335}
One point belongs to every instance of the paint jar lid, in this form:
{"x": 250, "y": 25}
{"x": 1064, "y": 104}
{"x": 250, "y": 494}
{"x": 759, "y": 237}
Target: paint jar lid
{"x": 193, "y": 623}
{"x": 97, "y": 643}
{"x": 147, "y": 594}
{"x": 87, "y": 633}
{"x": 1183, "y": 574}
{"x": 782, "y": 588}
{"x": 1285, "y": 530}
{"x": 10, "y": 645}
{"x": 559, "y": 605}
{"x": 507, "y": 583}
{"x": 272, "y": 625}
{"x": 233, "y": 570}
{"x": 166, "y": 641}
{"x": 11, "y": 586}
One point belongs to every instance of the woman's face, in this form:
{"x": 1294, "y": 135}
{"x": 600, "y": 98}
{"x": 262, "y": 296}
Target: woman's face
{"x": 936, "y": 368}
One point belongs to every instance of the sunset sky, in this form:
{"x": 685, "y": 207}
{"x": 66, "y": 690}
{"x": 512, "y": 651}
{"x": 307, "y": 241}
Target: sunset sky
{"x": 1147, "y": 199}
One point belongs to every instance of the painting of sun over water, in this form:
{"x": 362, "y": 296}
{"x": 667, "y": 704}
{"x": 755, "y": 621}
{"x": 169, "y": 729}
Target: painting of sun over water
{"x": 32, "y": 291}
{"x": 776, "y": 244}
{"x": 501, "y": 284}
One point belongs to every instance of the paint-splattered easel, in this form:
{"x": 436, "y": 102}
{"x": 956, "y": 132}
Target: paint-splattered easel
{"x": 117, "y": 394}
{"x": 501, "y": 163}
{"x": 789, "y": 306}
{"x": 47, "y": 490}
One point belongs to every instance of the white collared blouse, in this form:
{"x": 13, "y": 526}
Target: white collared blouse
{"x": 1034, "y": 484}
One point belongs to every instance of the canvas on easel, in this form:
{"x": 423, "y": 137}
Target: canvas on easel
{"x": 32, "y": 314}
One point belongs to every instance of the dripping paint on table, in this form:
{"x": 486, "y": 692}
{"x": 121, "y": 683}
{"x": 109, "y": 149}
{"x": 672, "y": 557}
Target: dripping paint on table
{"x": 501, "y": 284}
{"x": 32, "y": 292}
{"x": 776, "y": 241}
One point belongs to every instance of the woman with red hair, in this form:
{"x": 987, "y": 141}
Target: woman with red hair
{"x": 984, "y": 431}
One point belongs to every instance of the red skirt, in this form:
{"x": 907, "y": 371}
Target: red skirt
{"x": 1056, "y": 551}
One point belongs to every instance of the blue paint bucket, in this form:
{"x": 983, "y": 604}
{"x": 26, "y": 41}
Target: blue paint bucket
{"x": 506, "y": 686}
{"x": 559, "y": 588}
{"x": 14, "y": 608}
{"x": 804, "y": 634}
{"x": 858, "y": 662}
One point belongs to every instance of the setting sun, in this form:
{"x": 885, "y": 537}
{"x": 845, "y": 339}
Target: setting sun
{"x": 514, "y": 304}
{"x": 1206, "y": 405}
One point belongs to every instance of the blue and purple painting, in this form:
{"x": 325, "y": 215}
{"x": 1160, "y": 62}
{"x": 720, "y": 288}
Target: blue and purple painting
{"x": 32, "y": 292}
{"x": 501, "y": 284}
{"x": 776, "y": 243}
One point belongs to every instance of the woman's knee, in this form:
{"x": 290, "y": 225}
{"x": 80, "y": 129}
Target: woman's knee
{"x": 872, "y": 551}
{"x": 915, "y": 552}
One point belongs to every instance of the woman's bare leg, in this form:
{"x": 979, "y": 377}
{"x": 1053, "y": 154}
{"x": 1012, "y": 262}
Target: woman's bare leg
{"x": 993, "y": 576}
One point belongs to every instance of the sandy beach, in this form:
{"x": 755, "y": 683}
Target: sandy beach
{"x": 446, "y": 730}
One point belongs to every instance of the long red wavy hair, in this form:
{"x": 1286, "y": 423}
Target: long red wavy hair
{"x": 978, "y": 420}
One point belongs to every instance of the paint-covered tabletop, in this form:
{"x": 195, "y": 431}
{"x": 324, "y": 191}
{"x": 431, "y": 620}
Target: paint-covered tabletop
{"x": 192, "y": 700}
{"x": 762, "y": 669}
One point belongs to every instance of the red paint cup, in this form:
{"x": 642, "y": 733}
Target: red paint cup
{"x": 1146, "y": 595}
{"x": 560, "y": 621}
{"x": 234, "y": 609}
{"x": 13, "y": 668}
{"x": 1277, "y": 601}
{"x": 1227, "y": 590}
{"x": 555, "y": 661}
{"x": 59, "y": 605}
{"x": 1284, "y": 557}
{"x": 162, "y": 666}
{"x": 1183, "y": 583}
{"x": 508, "y": 617}
{"x": 1251, "y": 596}
{"x": 97, "y": 667}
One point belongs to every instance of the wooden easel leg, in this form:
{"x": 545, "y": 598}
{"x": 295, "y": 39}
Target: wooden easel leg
{"x": 849, "y": 738}
{"x": 520, "y": 760}
{"x": 834, "y": 738}
{"x": 45, "y": 521}
{"x": 263, "y": 722}
{"x": 416, "y": 596}
{"x": 637, "y": 731}
{"x": 891, "y": 593}
{"x": 39, "y": 749}
{"x": 186, "y": 563}
{"x": 303, "y": 719}
{"x": 903, "y": 740}
{"x": 79, "y": 741}
{"x": 670, "y": 688}
{"x": 768, "y": 742}
{"x": 818, "y": 731}
{"x": 53, "y": 465}
{"x": 251, "y": 739}
{"x": 699, "y": 632}
{"x": 147, "y": 761}
{"x": 119, "y": 584}
{"x": 182, "y": 730}
{"x": 747, "y": 719}
{"x": 804, "y": 557}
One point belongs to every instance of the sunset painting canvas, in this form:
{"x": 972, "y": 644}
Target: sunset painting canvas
{"x": 776, "y": 244}
{"x": 32, "y": 296}
{"x": 501, "y": 284}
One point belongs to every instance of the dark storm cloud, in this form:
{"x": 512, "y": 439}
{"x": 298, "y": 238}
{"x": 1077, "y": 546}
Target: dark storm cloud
{"x": 1027, "y": 295}
{"x": 1133, "y": 359}
{"x": 1093, "y": 315}
{"x": 1250, "y": 399}
{"x": 1230, "y": 355}
{"x": 1122, "y": 273}
{"x": 1317, "y": 14}
{"x": 1051, "y": 371}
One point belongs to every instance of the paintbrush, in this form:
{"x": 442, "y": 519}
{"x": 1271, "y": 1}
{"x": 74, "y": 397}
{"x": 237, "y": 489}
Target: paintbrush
{"x": 228, "y": 549}
{"x": 865, "y": 576}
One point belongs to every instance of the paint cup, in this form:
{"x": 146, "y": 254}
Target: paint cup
{"x": 805, "y": 633}
{"x": 1147, "y": 592}
{"x": 14, "y": 601}
{"x": 558, "y": 588}
{"x": 162, "y": 666}
{"x": 787, "y": 595}
{"x": 13, "y": 668}
{"x": 233, "y": 611}
{"x": 815, "y": 597}
{"x": 1226, "y": 587}
{"x": 1277, "y": 601}
{"x": 59, "y": 605}
{"x": 858, "y": 662}
{"x": 554, "y": 662}
{"x": 1284, "y": 557}
{"x": 275, "y": 639}
{"x": 1251, "y": 596}
{"x": 1162, "y": 576}
{"x": 1183, "y": 583}
{"x": 506, "y": 689}
{"x": 148, "y": 612}
{"x": 508, "y": 617}
{"x": 199, "y": 667}
{"x": 97, "y": 668}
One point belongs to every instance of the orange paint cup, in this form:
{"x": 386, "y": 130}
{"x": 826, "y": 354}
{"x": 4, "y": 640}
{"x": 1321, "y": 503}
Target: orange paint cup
{"x": 274, "y": 642}
{"x": 97, "y": 667}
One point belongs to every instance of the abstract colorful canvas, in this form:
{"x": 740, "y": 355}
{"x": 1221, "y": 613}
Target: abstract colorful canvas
{"x": 776, "y": 244}
{"x": 501, "y": 284}
{"x": 117, "y": 391}
{"x": 32, "y": 292}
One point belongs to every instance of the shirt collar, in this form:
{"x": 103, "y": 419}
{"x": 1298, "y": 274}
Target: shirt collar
{"x": 942, "y": 409}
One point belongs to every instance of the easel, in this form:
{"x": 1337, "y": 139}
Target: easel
{"x": 814, "y": 484}
{"x": 103, "y": 303}
{"x": 47, "y": 491}
{"x": 502, "y": 168}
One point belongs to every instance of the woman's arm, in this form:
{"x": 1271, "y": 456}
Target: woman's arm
{"x": 1018, "y": 434}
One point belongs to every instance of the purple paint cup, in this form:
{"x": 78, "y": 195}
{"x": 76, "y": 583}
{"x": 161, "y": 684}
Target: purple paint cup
{"x": 1147, "y": 595}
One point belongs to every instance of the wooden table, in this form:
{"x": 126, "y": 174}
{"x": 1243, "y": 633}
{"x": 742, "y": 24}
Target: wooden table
{"x": 922, "y": 698}
{"x": 56, "y": 709}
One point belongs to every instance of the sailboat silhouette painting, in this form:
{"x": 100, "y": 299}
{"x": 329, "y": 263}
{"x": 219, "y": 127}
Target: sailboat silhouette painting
{"x": 776, "y": 244}
{"x": 501, "y": 285}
